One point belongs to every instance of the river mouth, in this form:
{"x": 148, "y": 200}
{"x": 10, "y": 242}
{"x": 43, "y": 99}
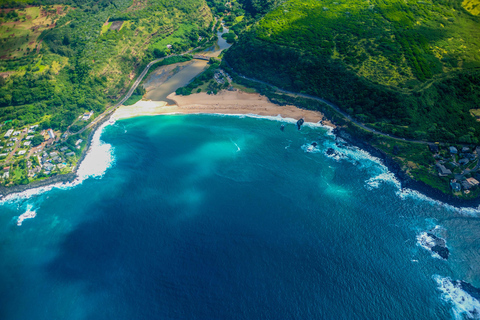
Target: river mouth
{"x": 167, "y": 79}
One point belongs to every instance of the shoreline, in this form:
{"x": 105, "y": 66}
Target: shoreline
{"x": 59, "y": 179}
{"x": 241, "y": 103}
{"x": 406, "y": 181}
{"x": 225, "y": 102}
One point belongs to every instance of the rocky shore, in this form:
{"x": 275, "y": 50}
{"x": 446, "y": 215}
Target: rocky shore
{"x": 405, "y": 180}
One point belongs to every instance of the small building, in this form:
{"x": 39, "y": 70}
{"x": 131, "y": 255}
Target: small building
{"x": 21, "y": 152}
{"x": 64, "y": 149}
{"x": 465, "y": 149}
{"x": 463, "y": 161}
{"x": 456, "y": 187}
{"x": 453, "y": 150}
{"x": 169, "y": 46}
{"x": 61, "y": 166}
{"x": 87, "y": 115}
{"x": 474, "y": 182}
{"x": 57, "y": 159}
{"x": 17, "y": 133}
{"x": 51, "y": 134}
{"x": 6, "y": 169}
{"x": 48, "y": 166}
{"x": 466, "y": 185}
{"x": 27, "y": 143}
{"x": 8, "y": 133}
{"x": 34, "y": 127}
{"x": 3, "y": 154}
{"x": 28, "y": 137}
{"x": 442, "y": 170}
{"x": 70, "y": 154}
{"x": 78, "y": 142}
{"x": 53, "y": 154}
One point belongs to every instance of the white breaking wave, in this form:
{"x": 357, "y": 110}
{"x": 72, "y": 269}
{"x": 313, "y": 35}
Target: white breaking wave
{"x": 99, "y": 158}
{"x": 278, "y": 118}
{"x": 427, "y": 242}
{"x": 29, "y": 214}
{"x": 463, "y": 302}
{"x": 409, "y": 193}
{"x": 374, "y": 182}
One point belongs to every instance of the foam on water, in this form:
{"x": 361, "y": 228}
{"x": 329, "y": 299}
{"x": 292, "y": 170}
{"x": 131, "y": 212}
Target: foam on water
{"x": 463, "y": 303}
{"x": 98, "y": 159}
{"x": 278, "y": 118}
{"x": 374, "y": 182}
{"x": 427, "y": 242}
{"x": 409, "y": 193}
{"x": 29, "y": 214}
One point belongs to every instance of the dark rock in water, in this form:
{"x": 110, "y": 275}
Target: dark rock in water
{"x": 299, "y": 123}
{"x": 439, "y": 246}
{"x": 471, "y": 290}
{"x": 441, "y": 251}
{"x": 314, "y": 144}
{"x": 331, "y": 152}
{"x": 282, "y": 127}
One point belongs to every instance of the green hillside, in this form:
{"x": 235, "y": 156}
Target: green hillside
{"x": 408, "y": 68}
{"x": 60, "y": 58}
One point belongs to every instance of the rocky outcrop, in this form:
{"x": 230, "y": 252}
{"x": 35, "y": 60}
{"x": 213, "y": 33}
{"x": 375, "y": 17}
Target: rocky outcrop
{"x": 405, "y": 180}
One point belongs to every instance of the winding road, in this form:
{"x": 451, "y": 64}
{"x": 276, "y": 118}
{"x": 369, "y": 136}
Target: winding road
{"x": 333, "y": 106}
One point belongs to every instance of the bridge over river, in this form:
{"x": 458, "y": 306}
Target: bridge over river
{"x": 200, "y": 57}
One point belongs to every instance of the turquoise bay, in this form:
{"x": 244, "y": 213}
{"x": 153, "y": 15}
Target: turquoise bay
{"x": 221, "y": 217}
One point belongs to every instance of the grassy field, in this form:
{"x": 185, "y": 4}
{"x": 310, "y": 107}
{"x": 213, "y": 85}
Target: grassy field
{"x": 389, "y": 42}
{"x": 472, "y": 6}
{"x": 19, "y": 34}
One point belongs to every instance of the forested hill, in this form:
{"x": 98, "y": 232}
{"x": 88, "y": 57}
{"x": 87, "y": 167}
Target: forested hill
{"x": 411, "y": 68}
{"x": 61, "y": 58}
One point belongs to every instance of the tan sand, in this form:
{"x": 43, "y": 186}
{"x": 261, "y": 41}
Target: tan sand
{"x": 225, "y": 102}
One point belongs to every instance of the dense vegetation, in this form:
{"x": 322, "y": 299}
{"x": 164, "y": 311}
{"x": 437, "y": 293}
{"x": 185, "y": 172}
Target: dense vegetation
{"x": 411, "y": 69}
{"x": 88, "y": 54}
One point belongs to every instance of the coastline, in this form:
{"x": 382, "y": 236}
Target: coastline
{"x": 238, "y": 103}
{"x": 406, "y": 181}
{"x": 225, "y": 102}
{"x": 59, "y": 179}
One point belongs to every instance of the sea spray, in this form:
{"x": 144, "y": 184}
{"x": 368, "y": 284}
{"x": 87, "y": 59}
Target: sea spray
{"x": 29, "y": 214}
{"x": 454, "y": 293}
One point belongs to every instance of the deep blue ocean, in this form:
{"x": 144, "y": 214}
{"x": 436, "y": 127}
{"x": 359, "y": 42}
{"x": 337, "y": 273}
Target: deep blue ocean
{"x": 224, "y": 217}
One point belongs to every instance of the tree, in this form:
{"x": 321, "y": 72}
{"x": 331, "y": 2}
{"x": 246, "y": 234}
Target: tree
{"x": 37, "y": 139}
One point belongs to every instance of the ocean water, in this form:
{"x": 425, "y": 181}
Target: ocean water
{"x": 224, "y": 217}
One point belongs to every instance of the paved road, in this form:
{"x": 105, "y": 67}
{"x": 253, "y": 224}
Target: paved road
{"x": 336, "y": 108}
{"x": 128, "y": 95}
{"x": 130, "y": 92}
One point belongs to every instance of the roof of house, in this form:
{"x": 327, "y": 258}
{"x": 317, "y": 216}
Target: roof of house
{"x": 443, "y": 170}
{"x": 473, "y": 181}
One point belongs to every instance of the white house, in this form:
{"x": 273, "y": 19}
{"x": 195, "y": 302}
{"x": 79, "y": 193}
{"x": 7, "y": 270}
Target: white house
{"x": 51, "y": 134}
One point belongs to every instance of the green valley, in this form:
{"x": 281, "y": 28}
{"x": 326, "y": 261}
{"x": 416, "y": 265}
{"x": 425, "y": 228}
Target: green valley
{"x": 409, "y": 69}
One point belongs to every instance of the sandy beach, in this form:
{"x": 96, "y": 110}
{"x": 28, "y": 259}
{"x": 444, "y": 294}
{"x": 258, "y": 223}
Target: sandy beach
{"x": 225, "y": 102}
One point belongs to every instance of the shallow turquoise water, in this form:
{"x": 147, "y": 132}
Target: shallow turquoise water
{"x": 220, "y": 217}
